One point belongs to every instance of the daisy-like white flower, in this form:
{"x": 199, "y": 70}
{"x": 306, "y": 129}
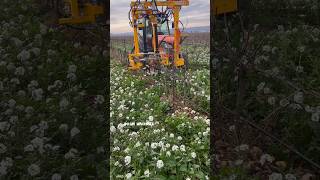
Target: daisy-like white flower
{"x": 33, "y": 170}
{"x": 74, "y": 131}
{"x": 175, "y": 147}
{"x": 168, "y": 153}
{"x": 275, "y": 176}
{"x": 183, "y": 148}
{"x": 193, "y": 155}
{"x": 113, "y": 129}
{"x": 128, "y": 176}
{"x": 56, "y": 176}
{"x": 160, "y": 164}
{"x": 147, "y": 173}
{"x": 127, "y": 160}
{"x": 74, "y": 177}
{"x": 154, "y": 145}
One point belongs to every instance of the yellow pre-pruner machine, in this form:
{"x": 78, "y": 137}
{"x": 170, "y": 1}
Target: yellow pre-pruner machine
{"x": 79, "y": 12}
{"x": 156, "y": 34}
{"x": 82, "y": 11}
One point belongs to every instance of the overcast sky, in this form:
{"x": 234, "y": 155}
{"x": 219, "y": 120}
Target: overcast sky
{"x": 194, "y": 15}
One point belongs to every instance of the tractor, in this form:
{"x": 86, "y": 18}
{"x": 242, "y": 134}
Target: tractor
{"x": 156, "y": 34}
{"x": 78, "y": 12}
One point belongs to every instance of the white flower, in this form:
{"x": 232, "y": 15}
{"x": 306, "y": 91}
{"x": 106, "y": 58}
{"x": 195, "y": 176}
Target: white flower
{"x": 99, "y": 99}
{"x": 261, "y": 86}
{"x": 147, "y": 173}
{"x": 71, "y": 154}
{"x": 315, "y": 117}
{"x": 17, "y": 42}
{"x": 116, "y": 148}
{"x": 3, "y": 148}
{"x": 298, "y": 97}
{"x": 72, "y": 68}
{"x": 193, "y": 155}
{"x": 72, "y": 76}
{"x": 3, "y": 170}
{"x": 33, "y": 169}
{"x": 37, "y": 142}
{"x": 4, "y": 126}
{"x": 168, "y": 153}
{"x": 137, "y": 144}
{"x": 74, "y": 131}
{"x": 127, "y": 160}
{"x": 301, "y": 48}
{"x": 63, "y": 127}
{"x": 37, "y": 94}
{"x": 113, "y": 129}
{"x": 188, "y": 178}
{"x": 154, "y": 145}
{"x": 43, "y": 125}
{"x": 116, "y": 163}
{"x": 160, "y": 164}
{"x": 275, "y": 176}
{"x": 266, "y": 157}
{"x": 290, "y": 177}
{"x": 11, "y": 103}
{"x": 179, "y": 138}
{"x": 183, "y": 148}
{"x": 266, "y": 48}
{"x": 23, "y": 55}
{"x": 150, "y": 118}
{"x": 19, "y": 71}
{"x": 74, "y": 177}
{"x": 271, "y": 100}
{"x": 172, "y": 135}
{"x": 28, "y": 148}
{"x": 175, "y": 147}
{"x": 128, "y": 176}
{"x": 242, "y": 147}
{"x": 63, "y": 103}
{"x": 299, "y": 69}
{"x": 56, "y": 176}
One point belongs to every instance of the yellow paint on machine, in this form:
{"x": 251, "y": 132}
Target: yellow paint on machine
{"x": 224, "y": 6}
{"x": 90, "y": 13}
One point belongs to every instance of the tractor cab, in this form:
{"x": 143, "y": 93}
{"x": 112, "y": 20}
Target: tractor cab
{"x": 164, "y": 35}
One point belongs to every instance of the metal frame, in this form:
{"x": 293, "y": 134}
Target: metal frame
{"x": 175, "y": 5}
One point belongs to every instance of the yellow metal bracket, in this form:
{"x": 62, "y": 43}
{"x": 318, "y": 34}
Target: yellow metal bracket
{"x": 132, "y": 64}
